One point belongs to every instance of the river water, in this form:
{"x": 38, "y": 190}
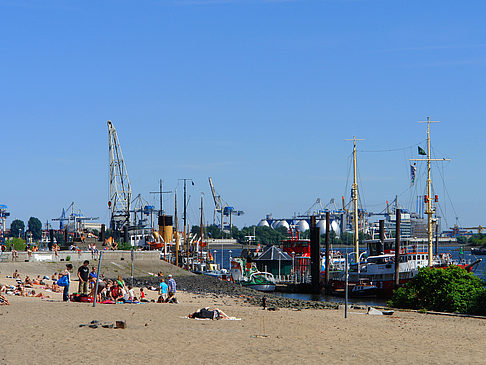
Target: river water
{"x": 455, "y": 251}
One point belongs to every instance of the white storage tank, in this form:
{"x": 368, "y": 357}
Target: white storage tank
{"x": 322, "y": 226}
{"x": 283, "y": 223}
{"x": 302, "y": 226}
{"x": 263, "y": 223}
{"x": 336, "y": 228}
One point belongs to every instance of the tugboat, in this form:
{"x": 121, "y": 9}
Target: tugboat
{"x": 246, "y": 274}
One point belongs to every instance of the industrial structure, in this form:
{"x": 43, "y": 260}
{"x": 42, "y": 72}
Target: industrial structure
{"x": 120, "y": 188}
{"x": 3, "y": 218}
{"x": 75, "y": 220}
{"x": 223, "y": 209}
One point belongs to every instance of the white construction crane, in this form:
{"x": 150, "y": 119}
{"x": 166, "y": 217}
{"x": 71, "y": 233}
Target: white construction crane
{"x": 120, "y": 189}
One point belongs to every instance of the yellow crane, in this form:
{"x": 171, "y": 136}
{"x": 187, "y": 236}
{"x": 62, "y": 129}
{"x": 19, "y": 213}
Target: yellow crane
{"x": 479, "y": 228}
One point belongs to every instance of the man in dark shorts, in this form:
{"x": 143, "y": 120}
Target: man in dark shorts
{"x": 83, "y": 275}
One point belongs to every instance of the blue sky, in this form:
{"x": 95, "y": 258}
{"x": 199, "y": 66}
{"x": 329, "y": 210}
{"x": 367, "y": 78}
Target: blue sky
{"x": 258, "y": 94}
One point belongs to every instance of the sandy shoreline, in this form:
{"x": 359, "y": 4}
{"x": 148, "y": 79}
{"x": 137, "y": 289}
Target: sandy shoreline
{"x": 34, "y": 330}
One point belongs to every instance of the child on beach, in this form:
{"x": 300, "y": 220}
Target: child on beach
{"x": 142, "y": 296}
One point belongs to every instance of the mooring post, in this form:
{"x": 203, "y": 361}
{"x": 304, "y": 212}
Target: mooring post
{"x": 382, "y": 237}
{"x": 328, "y": 218}
{"x": 346, "y": 285}
{"x": 131, "y": 272}
{"x": 97, "y": 279}
{"x": 315, "y": 255}
{"x": 397, "y": 248}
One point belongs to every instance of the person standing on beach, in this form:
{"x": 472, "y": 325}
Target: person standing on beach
{"x": 83, "y": 275}
{"x": 163, "y": 289}
{"x": 172, "y": 284}
{"x": 65, "y": 293}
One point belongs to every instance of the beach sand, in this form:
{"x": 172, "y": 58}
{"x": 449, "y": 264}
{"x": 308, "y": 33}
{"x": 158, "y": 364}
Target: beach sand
{"x": 34, "y": 330}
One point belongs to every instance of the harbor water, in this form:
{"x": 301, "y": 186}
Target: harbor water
{"x": 222, "y": 256}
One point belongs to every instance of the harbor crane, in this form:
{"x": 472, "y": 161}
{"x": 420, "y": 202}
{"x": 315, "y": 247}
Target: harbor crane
{"x": 73, "y": 218}
{"x": 222, "y": 208}
{"x": 141, "y": 212}
{"x": 317, "y": 208}
{"x": 479, "y": 228}
{"x": 120, "y": 188}
{"x": 312, "y": 210}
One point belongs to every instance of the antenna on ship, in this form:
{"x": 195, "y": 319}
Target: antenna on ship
{"x": 428, "y": 198}
{"x": 354, "y": 196}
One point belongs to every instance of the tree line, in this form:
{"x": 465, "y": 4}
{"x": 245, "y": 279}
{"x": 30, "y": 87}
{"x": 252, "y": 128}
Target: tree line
{"x": 34, "y": 226}
{"x": 478, "y": 239}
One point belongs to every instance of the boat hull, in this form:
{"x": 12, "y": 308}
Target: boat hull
{"x": 478, "y": 251}
{"x": 261, "y": 287}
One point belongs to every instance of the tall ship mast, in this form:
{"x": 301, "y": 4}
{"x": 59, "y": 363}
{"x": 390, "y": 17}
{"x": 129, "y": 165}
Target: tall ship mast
{"x": 428, "y": 198}
{"x": 354, "y": 196}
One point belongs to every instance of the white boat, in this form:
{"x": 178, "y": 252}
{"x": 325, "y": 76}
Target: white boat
{"x": 246, "y": 274}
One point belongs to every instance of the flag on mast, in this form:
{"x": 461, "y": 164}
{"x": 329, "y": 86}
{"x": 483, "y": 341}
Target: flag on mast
{"x": 421, "y": 151}
{"x": 413, "y": 171}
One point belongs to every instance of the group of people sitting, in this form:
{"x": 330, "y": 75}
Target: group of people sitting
{"x": 109, "y": 291}
{"x": 116, "y": 291}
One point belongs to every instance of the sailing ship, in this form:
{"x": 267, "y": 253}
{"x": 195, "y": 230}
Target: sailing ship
{"x": 378, "y": 270}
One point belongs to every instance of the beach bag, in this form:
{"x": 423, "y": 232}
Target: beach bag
{"x": 63, "y": 281}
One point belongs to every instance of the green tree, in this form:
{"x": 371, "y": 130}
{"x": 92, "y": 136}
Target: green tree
{"x": 17, "y": 227}
{"x": 17, "y": 243}
{"x": 461, "y": 240}
{"x": 59, "y": 239}
{"x": 35, "y": 226}
{"x": 452, "y": 289}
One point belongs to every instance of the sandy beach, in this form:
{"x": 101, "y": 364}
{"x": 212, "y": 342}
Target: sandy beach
{"x": 35, "y": 330}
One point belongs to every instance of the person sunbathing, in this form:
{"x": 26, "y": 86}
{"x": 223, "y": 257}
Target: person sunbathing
{"x": 19, "y": 290}
{"x": 3, "y": 300}
{"x": 37, "y": 280}
{"x": 16, "y": 274}
{"x": 28, "y": 282}
{"x": 32, "y": 293}
{"x": 55, "y": 288}
{"x": 54, "y": 276}
{"x": 204, "y": 313}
